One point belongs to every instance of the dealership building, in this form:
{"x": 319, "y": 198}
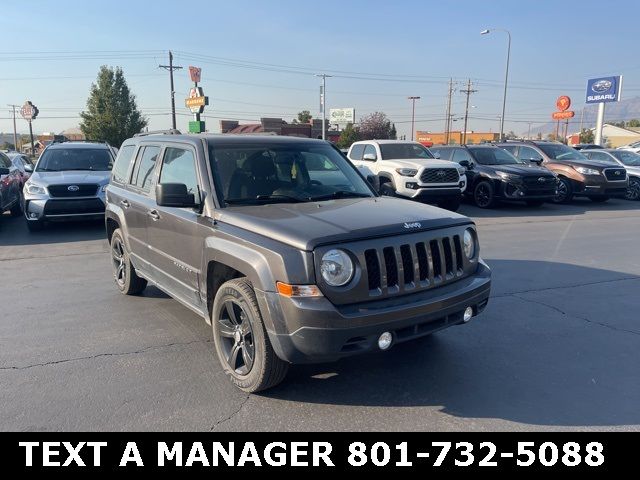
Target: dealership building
{"x": 456, "y": 137}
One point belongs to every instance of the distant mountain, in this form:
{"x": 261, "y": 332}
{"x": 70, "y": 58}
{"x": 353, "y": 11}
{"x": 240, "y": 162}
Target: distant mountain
{"x": 627, "y": 109}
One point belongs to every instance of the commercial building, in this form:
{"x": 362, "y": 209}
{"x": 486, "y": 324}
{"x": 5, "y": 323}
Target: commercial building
{"x": 456, "y": 137}
{"x": 613, "y": 136}
{"x": 278, "y": 126}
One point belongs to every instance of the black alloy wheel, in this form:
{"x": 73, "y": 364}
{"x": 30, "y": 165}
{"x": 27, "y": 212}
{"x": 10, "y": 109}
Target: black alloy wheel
{"x": 633, "y": 191}
{"x": 565, "y": 192}
{"x": 483, "y": 195}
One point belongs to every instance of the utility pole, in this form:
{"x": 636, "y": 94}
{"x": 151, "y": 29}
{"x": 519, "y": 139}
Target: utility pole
{"x": 447, "y": 125}
{"x": 323, "y": 102}
{"x": 468, "y": 92}
{"x": 413, "y": 114}
{"x": 15, "y": 132}
{"x": 529, "y": 132}
{"x": 171, "y": 67}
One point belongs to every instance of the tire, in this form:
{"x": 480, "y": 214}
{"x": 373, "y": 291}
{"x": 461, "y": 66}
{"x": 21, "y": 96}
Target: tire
{"x": 451, "y": 204}
{"x": 387, "y": 190}
{"x": 35, "y": 225}
{"x": 565, "y": 191}
{"x": 16, "y": 210}
{"x": 124, "y": 273}
{"x": 535, "y": 203}
{"x": 598, "y": 199}
{"x": 633, "y": 192}
{"x": 484, "y": 195}
{"x": 241, "y": 340}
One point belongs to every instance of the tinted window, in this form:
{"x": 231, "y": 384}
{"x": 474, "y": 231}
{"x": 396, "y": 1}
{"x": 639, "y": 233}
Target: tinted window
{"x": 493, "y": 156}
{"x": 179, "y": 166}
{"x": 143, "y": 175}
{"x": 558, "y": 151}
{"x": 528, "y": 154}
{"x": 442, "y": 153}
{"x": 628, "y": 158}
{"x": 603, "y": 157}
{"x": 121, "y": 167}
{"x": 356, "y": 152}
{"x": 510, "y": 148}
{"x": 403, "y": 151}
{"x": 460, "y": 154}
{"x": 370, "y": 149}
{"x": 4, "y": 161}
{"x": 64, "y": 159}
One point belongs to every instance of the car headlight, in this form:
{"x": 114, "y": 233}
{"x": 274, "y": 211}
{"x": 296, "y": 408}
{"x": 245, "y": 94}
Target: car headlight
{"x": 462, "y": 171}
{"x": 104, "y": 188}
{"x": 587, "y": 171}
{"x": 336, "y": 267}
{"x": 469, "y": 243}
{"x": 508, "y": 176}
{"x": 34, "y": 189}
{"x": 407, "y": 172}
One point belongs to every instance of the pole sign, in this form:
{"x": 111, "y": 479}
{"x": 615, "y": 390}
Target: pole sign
{"x": 195, "y": 73}
{"x": 196, "y": 101}
{"x": 342, "y": 116}
{"x": 604, "y": 89}
{"x": 29, "y": 111}
{"x": 563, "y": 103}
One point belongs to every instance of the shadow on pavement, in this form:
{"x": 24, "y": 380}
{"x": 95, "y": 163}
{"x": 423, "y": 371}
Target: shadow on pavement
{"x": 520, "y": 361}
{"x": 13, "y": 231}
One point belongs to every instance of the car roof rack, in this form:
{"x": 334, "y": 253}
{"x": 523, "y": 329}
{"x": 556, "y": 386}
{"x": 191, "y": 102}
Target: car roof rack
{"x": 171, "y": 131}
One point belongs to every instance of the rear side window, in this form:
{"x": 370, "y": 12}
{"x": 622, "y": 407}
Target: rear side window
{"x": 461, "y": 154}
{"x": 179, "y": 166}
{"x": 443, "y": 153}
{"x": 356, "y": 152}
{"x": 143, "y": 174}
{"x": 121, "y": 167}
{"x": 509, "y": 148}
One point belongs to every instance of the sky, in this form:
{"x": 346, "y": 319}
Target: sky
{"x": 258, "y": 58}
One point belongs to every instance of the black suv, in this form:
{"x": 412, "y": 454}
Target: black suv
{"x": 494, "y": 174}
{"x": 286, "y": 250}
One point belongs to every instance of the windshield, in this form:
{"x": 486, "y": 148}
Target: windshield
{"x": 287, "y": 173}
{"x": 493, "y": 156}
{"x": 558, "y": 151}
{"x": 628, "y": 158}
{"x": 64, "y": 159}
{"x": 403, "y": 151}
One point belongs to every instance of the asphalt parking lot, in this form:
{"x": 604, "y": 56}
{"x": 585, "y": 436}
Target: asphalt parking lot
{"x": 558, "y": 347}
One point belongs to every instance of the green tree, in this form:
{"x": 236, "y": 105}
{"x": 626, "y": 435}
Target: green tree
{"x": 348, "y": 136}
{"x": 511, "y": 135}
{"x": 112, "y": 114}
{"x": 619, "y": 124}
{"x": 393, "y": 133}
{"x": 7, "y": 146}
{"x": 303, "y": 117}
{"x": 635, "y": 123}
{"x": 375, "y": 126}
{"x": 586, "y": 136}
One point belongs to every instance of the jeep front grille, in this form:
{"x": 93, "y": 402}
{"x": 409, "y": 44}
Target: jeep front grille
{"x": 440, "y": 175}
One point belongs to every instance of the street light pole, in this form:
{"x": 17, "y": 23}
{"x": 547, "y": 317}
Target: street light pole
{"x": 323, "y": 102}
{"x": 506, "y": 75}
{"x": 413, "y": 114}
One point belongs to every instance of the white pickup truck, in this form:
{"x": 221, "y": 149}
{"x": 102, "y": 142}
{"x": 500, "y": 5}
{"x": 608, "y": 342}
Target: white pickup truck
{"x": 408, "y": 169}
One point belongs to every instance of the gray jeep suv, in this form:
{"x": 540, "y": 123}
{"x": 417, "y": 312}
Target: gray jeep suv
{"x": 286, "y": 250}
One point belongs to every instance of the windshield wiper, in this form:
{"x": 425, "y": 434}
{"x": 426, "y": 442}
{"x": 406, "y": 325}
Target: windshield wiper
{"x": 341, "y": 194}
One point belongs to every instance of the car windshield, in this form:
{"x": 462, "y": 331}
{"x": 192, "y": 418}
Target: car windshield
{"x": 493, "y": 156}
{"x": 65, "y": 159}
{"x": 628, "y": 158}
{"x": 558, "y": 151}
{"x": 283, "y": 173}
{"x": 403, "y": 151}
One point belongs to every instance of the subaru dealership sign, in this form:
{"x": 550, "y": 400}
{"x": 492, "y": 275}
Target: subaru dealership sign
{"x": 604, "y": 89}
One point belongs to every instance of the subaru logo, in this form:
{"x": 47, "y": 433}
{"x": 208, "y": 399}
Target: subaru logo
{"x": 618, "y": 172}
{"x": 542, "y": 180}
{"x": 413, "y": 225}
{"x": 601, "y": 86}
{"x": 441, "y": 173}
{"x": 73, "y": 188}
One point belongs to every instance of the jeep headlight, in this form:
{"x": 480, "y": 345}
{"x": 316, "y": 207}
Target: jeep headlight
{"x": 34, "y": 189}
{"x": 587, "y": 171}
{"x": 407, "y": 172}
{"x": 469, "y": 243}
{"x": 336, "y": 268}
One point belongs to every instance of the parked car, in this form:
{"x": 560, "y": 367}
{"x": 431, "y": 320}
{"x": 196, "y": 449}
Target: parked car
{"x": 577, "y": 175}
{"x": 10, "y": 187}
{"x": 24, "y": 166}
{"x": 288, "y": 266}
{"x": 632, "y": 147}
{"x": 625, "y": 158}
{"x": 409, "y": 170}
{"x": 68, "y": 183}
{"x": 587, "y": 146}
{"x": 496, "y": 175}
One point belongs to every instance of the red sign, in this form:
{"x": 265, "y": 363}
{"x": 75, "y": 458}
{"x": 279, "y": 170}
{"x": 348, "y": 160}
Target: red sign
{"x": 29, "y": 111}
{"x": 563, "y": 103}
{"x": 195, "y": 74}
{"x": 563, "y": 115}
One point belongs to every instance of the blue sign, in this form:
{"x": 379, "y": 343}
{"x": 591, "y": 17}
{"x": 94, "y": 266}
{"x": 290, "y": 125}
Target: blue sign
{"x": 604, "y": 89}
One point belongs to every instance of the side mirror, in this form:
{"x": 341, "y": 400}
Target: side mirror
{"x": 466, "y": 163}
{"x": 28, "y": 168}
{"x": 174, "y": 195}
{"x": 537, "y": 161}
{"x": 4, "y": 171}
{"x": 371, "y": 157}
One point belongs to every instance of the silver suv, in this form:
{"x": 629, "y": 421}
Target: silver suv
{"x": 68, "y": 183}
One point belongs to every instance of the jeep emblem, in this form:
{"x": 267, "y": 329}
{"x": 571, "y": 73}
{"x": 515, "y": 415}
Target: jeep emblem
{"x": 73, "y": 188}
{"x": 413, "y": 225}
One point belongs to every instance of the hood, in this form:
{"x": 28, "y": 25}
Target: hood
{"x": 308, "y": 225}
{"x": 70, "y": 177}
{"x": 589, "y": 163}
{"x": 523, "y": 170}
{"x": 426, "y": 162}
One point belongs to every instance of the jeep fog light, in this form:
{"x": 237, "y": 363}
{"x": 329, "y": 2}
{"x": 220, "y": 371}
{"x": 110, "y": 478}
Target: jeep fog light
{"x": 469, "y": 244}
{"x": 384, "y": 341}
{"x": 468, "y": 313}
{"x": 336, "y": 267}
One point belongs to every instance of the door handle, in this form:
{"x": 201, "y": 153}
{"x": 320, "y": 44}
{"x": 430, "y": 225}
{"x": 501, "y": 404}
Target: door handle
{"x": 125, "y": 203}
{"x": 155, "y": 216}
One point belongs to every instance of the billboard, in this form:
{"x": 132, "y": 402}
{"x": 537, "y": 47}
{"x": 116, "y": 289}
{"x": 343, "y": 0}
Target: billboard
{"x": 342, "y": 116}
{"x": 604, "y": 89}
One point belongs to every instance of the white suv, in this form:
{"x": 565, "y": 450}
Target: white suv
{"x": 410, "y": 170}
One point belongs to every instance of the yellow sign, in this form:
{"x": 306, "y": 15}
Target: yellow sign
{"x": 195, "y": 102}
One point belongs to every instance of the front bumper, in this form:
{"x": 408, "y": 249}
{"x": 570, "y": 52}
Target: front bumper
{"x": 313, "y": 330}
{"x": 599, "y": 186}
{"x": 41, "y": 208}
{"x": 434, "y": 194}
{"x": 520, "y": 191}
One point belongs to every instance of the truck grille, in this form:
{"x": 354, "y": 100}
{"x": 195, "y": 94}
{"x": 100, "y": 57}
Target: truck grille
{"x": 83, "y": 190}
{"x": 615, "y": 174}
{"x": 440, "y": 175}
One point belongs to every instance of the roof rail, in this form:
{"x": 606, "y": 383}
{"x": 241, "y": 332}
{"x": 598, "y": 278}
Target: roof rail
{"x": 171, "y": 131}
